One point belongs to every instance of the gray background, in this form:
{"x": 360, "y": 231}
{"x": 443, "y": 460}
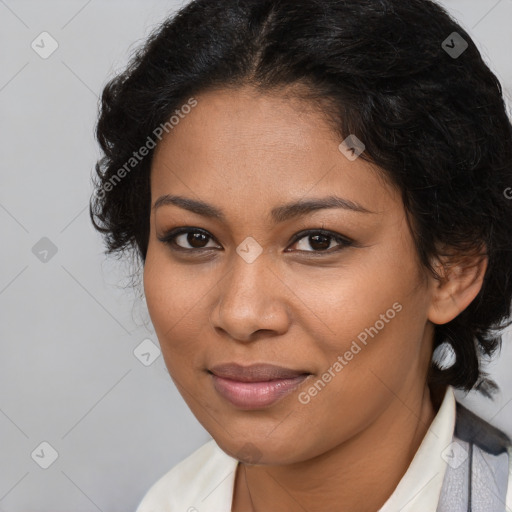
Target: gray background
{"x": 68, "y": 372}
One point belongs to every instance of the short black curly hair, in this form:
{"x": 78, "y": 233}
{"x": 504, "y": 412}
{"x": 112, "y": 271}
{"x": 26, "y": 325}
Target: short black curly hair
{"x": 428, "y": 109}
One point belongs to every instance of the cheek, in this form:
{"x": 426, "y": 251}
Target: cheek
{"x": 360, "y": 379}
{"x": 157, "y": 288}
{"x": 348, "y": 302}
{"x": 373, "y": 315}
{"x": 171, "y": 299}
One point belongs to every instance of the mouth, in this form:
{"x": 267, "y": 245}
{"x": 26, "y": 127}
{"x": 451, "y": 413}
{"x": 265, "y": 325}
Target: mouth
{"x": 256, "y": 386}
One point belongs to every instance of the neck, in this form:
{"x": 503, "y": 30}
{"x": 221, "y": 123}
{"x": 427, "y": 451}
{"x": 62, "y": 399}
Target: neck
{"x": 345, "y": 475}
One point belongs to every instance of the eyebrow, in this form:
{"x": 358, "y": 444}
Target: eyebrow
{"x": 278, "y": 214}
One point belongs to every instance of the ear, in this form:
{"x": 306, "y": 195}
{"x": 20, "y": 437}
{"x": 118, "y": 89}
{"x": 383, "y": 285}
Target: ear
{"x": 460, "y": 282}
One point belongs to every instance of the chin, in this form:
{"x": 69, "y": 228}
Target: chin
{"x": 254, "y": 450}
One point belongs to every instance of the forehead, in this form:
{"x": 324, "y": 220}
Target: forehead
{"x": 238, "y": 147}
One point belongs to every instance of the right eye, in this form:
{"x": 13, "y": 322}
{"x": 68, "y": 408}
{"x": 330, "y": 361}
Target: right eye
{"x": 178, "y": 238}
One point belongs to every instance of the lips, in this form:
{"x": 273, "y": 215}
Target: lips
{"x": 255, "y": 372}
{"x": 256, "y": 386}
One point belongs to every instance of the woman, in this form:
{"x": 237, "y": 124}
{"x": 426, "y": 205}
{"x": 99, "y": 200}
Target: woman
{"x": 315, "y": 190}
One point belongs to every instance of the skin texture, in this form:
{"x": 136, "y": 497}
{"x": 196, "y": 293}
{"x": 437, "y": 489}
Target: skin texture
{"x": 296, "y": 305}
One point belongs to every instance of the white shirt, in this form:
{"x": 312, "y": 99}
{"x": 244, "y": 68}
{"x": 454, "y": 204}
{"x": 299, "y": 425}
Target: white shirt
{"x": 204, "y": 481}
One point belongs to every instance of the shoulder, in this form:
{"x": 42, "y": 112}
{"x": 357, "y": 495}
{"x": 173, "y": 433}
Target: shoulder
{"x": 472, "y": 428}
{"x": 206, "y": 474}
{"x": 485, "y": 462}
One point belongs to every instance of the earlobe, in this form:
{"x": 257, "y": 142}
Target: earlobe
{"x": 460, "y": 283}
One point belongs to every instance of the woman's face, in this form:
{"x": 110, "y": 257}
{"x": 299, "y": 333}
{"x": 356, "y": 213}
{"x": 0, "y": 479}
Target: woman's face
{"x": 240, "y": 289}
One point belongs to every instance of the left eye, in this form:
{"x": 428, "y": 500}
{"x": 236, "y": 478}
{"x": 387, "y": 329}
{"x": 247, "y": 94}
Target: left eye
{"x": 321, "y": 241}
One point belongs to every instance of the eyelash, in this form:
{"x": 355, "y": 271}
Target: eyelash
{"x": 169, "y": 237}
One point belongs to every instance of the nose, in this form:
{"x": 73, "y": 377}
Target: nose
{"x": 252, "y": 302}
